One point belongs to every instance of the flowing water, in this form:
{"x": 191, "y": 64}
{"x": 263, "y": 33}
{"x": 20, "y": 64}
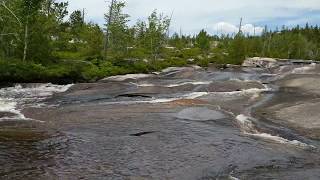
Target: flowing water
{"x": 181, "y": 123}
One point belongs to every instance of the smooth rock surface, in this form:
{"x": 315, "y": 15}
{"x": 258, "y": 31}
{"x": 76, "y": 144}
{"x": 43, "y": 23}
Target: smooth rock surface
{"x": 200, "y": 114}
{"x": 183, "y": 123}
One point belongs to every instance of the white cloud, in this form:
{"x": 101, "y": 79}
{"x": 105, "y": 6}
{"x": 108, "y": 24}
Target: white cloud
{"x": 225, "y": 28}
{"x": 191, "y": 15}
{"x": 228, "y": 28}
{"x": 251, "y": 29}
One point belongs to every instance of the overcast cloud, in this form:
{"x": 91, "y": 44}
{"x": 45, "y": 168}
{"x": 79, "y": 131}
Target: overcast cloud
{"x": 216, "y": 16}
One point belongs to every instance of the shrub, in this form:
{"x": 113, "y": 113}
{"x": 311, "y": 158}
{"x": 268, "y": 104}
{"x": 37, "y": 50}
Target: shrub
{"x": 191, "y": 52}
{"x": 68, "y": 55}
{"x": 204, "y": 62}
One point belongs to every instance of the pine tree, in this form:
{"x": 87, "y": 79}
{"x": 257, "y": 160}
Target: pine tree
{"x": 203, "y": 41}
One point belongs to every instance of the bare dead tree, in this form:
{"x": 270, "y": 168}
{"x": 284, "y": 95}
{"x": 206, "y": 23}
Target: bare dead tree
{"x": 168, "y": 30}
{"x": 240, "y": 26}
{"x": 106, "y": 39}
{"x": 26, "y": 34}
{"x": 17, "y": 20}
{"x": 3, "y": 4}
{"x": 83, "y": 15}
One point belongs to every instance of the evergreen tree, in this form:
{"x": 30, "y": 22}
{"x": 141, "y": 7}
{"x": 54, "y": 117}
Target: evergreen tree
{"x": 117, "y": 28}
{"x": 203, "y": 40}
{"x": 237, "y": 51}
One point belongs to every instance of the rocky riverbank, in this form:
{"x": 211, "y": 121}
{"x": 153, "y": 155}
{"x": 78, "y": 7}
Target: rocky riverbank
{"x": 180, "y": 123}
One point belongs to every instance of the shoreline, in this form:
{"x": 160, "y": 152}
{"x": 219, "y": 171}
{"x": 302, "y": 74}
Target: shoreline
{"x": 254, "y": 62}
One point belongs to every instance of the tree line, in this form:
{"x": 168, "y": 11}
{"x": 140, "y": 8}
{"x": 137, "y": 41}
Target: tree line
{"x": 37, "y": 30}
{"x": 43, "y": 36}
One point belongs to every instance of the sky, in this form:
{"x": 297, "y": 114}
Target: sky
{"x": 215, "y": 16}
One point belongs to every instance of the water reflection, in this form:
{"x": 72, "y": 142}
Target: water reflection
{"x": 30, "y": 153}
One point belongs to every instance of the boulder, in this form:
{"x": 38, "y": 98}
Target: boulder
{"x": 260, "y": 62}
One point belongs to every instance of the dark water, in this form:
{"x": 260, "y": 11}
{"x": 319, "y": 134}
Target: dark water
{"x": 182, "y": 123}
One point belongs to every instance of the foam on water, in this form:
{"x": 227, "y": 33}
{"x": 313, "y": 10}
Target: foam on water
{"x": 128, "y": 76}
{"x": 233, "y": 178}
{"x": 9, "y": 106}
{"x": 170, "y": 69}
{"x": 192, "y": 95}
{"x": 282, "y": 140}
{"x": 246, "y": 124}
{"x": 242, "y": 80}
{"x": 305, "y": 69}
{"x": 254, "y": 92}
{"x": 6, "y": 105}
{"x": 144, "y": 85}
{"x": 247, "y": 91}
{"x": 33, "y": 90}
{"x": 14, "y": 99}
{"x": 187, "y": 83}
{"x": 248, "y": 128}
{"x": 174, "y": 85}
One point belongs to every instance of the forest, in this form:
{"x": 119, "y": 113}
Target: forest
{"x": 40, "y": 41}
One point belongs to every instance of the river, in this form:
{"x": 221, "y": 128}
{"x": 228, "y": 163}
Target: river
{"x": 181, "y": 123}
